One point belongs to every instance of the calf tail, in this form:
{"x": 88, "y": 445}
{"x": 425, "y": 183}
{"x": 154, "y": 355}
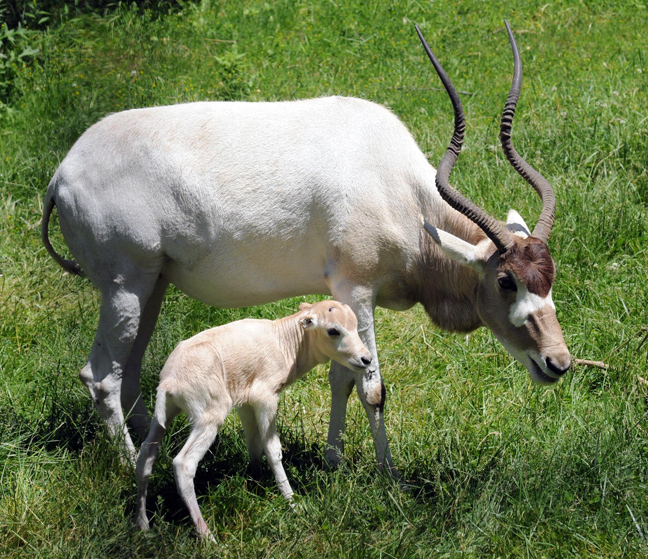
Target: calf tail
{"x": 68, "y": 265}
{"x": 166, "y": 408}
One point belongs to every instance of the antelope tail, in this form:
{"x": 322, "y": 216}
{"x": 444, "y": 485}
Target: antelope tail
{"x": 68, "y": 265}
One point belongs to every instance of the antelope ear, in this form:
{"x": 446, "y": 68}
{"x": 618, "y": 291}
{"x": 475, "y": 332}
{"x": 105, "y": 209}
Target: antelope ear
{"x": 308, "y": 322}
{"x": 516, "y": 225}
{"x": 304, "y": 306}
{"x": 459, "y": 250}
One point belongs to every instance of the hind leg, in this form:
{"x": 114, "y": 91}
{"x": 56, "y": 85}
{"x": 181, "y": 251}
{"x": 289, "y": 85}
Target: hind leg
{"x": 185, "y": 464}
{"x": 165, "y": 411}
{"x": 131, "y": 395}
{"x": 145, "y": 461}
{"x": 121, "y": 307}
{"x": 252, "y": 437}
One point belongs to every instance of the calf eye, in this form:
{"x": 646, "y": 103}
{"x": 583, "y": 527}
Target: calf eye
{"x": 506, "y": 283}
{"x": 333, "y": 332}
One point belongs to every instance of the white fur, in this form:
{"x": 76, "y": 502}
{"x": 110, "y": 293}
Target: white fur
{"x": 456, "y": 248}
{"x": 459, "y": 250}
{"x": 527, "y": 303}
{"x": 240, "y": 204}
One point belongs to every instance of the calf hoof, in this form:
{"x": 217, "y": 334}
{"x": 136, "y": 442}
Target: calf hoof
{"x": 207, "y": 537}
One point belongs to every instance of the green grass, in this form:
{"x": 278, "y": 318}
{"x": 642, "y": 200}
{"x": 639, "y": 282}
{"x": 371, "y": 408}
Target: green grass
{"x": 495, "y": 466}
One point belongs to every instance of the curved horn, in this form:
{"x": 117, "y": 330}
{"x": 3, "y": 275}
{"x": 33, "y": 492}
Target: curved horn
{"x": 536, "y": 180}
{"x": 494, "y": 230}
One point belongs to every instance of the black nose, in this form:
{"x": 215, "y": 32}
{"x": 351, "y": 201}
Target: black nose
{"x": 557, "y": 370}
{"x": 366, "y": 360}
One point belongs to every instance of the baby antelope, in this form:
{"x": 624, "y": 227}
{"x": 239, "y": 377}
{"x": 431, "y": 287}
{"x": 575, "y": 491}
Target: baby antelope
{"x": 242, "y": 365}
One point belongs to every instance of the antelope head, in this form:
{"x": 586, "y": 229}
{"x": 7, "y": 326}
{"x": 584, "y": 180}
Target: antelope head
{"x": 515, "y": 269}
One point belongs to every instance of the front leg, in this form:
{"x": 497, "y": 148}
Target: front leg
{"x": 368, "y": 383}
{"x": 341, "y": 381}
{"x": 265, "y": 414}
{"x": 373, "y": 402}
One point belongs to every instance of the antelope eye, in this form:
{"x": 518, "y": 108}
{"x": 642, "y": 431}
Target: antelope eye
{"x": 506, "y": 283}
{"x": 333, "y": 332}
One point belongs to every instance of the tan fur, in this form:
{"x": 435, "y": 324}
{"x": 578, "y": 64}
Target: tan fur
{"x": 244, "y": 365}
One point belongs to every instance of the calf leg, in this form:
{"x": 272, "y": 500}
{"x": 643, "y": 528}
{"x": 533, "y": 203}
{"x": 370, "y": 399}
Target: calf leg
{"x": 145, "y": 460}
{"x": 252, "y": 437}
{"x": 165, "y": 411}
{"x": 265, "y": 414}
{"x": 185, "y": 464}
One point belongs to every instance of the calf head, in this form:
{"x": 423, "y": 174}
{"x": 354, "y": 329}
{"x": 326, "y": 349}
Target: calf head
{"x": 334, "y": 334}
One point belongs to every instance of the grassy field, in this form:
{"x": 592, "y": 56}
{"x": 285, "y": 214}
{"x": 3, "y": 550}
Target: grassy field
{"x": 495, "y": 465}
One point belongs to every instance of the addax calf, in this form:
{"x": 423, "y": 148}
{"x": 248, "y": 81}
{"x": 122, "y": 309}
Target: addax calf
{"x": 243, "y": 365}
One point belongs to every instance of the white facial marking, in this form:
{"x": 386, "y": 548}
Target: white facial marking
{"x": 526, "y": 303}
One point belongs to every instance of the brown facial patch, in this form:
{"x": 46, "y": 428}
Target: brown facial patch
{"x": 529, "y": 260}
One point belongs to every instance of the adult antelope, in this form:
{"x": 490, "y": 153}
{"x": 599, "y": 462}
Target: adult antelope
{"x": 244, "y": 203}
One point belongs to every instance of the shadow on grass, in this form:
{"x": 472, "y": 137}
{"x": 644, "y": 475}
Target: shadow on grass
{"x": 59, "y": 417}
{"x": 62, "y": 417}
{"x": 227, "y": 462}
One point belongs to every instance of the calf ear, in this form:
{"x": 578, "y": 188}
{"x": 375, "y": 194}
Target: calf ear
{"x": 309, "y": 321}
{"x": 305, "y": 306}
